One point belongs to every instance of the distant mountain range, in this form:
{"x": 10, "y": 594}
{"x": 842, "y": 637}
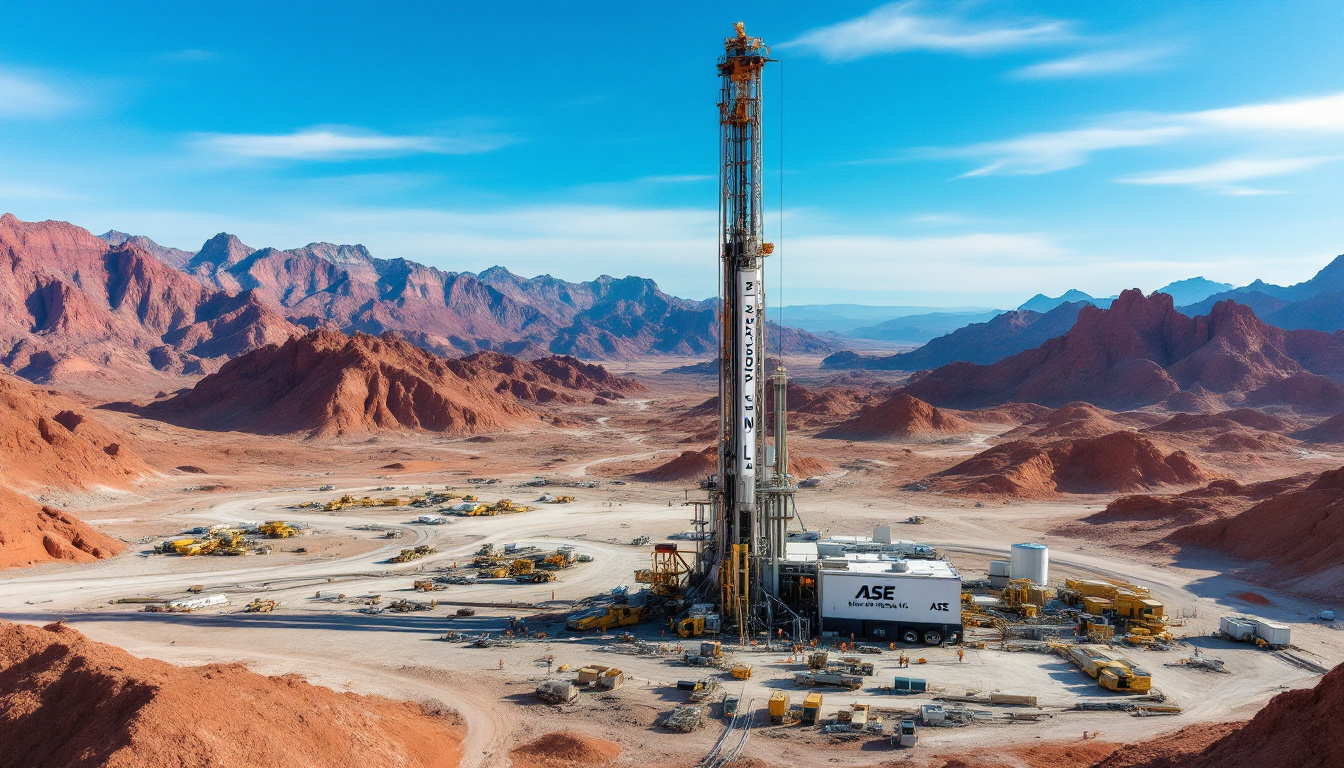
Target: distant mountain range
{"x": 120, "y": 305}
{"x": 1142, "y": 351}
{"x": 1317, "y": 304}
{"x": 987, "y": 342}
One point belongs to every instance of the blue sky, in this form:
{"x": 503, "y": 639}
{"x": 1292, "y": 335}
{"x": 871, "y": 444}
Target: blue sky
{"x": 933, "y": 152}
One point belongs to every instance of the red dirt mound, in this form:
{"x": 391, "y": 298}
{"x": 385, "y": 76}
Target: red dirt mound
{"x": 563, "y": 750}
{"x": 901, "y": 416}
{"x": 1254, "y": 598}
{"x": 1298, "y": 532}
{"x": 66, "y": 700}
{"x": 690, "y": 465}
{"x": 31, "y": 534}
{"x": 50, "y": 440}
{"x": 1297, "y": 729}
{"x": 1074, "y": 420}
{"x": 1173, "y": 749}
{"x": 1048, "y": 754}
{"x": 1122, "y": 461}
{"x": 327, "y": 384}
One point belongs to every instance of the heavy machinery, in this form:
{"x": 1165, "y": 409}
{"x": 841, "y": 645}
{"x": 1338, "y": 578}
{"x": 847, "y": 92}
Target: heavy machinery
{"x": 407, "y": 555}
{"x": 778, "y": 707}
{"x": 276, "y": 529}
{"x": 427, "y": 585}
{"x": 606, "y": 617}
{"x": 521, "y": 566}
{"x": 1129, "y": 606}
{"x": 1111, "y": 672}
{"x": 691, "y": 626}
{"x": 535, "y": 577}
{"x": 259, "y": 606}
{"x": 558, "y": 692}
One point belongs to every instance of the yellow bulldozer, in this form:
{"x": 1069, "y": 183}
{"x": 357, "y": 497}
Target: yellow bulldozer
{"x": 260, "y": 606}
{"x": 606, "y": 617}
{"x": 277, "y": 529}
{"x": 427, "y": 585}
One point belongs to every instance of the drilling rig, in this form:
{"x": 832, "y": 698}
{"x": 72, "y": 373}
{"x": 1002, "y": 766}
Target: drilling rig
{"x": 752, "y": 494}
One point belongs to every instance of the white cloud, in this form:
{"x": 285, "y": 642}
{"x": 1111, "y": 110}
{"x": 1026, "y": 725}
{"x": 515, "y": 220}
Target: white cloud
{"x": 1275, "y": 127}
{"x": 1223, "y": 176}
{"x": 1047, "y": 152}
{"x": 1093, "y": 63}
{"x": 22, "y": 96}
{"x": 901, "y": 27}
{"x": 342, "y": 143}
{"x": 1322, "y": 113}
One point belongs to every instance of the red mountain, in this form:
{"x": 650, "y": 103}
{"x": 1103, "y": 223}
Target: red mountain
{"x": 328, "y": 384}
{"x": 460, "y": 312}
{"x": 70, "y": 304}
{"x": 1142, "y": 351}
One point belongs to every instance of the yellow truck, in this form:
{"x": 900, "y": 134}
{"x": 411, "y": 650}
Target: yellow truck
{"x": 1111, "y": 672}
{"x": 606, "y": 617}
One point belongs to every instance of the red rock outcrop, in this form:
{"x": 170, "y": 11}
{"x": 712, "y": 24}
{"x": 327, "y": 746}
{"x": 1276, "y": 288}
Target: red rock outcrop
{"x": 1298, "y": 532}
{"x": 1118, "y": 462}
{"x": 51, "y": 441}
{"x": 72, "y": 306}
{"x": 66, "y": 700}
{"x": 899, "y": 417}
{"x": 327, "y": 384}
{"x": 1142, "y": 351}
{"x": 32, "y": 534}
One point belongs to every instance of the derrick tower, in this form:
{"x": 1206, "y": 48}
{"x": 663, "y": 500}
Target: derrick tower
{"x": 750, "y": 508}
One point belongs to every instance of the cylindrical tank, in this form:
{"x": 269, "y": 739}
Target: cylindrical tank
{"x": 1031, "y": 562}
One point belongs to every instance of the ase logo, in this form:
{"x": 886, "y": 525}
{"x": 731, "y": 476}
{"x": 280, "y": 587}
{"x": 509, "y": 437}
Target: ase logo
{"x": 888, "y": 592}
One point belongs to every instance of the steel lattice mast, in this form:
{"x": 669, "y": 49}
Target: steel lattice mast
{"x": 739, "y": 526}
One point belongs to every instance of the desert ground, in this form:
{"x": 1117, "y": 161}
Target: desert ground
{"x": 324, "y": 578}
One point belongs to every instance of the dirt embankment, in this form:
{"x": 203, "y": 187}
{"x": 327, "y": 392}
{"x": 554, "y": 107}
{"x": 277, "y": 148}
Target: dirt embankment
{"x": 66, "y": 700}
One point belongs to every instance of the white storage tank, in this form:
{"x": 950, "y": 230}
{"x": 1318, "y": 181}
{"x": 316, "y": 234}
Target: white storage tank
{"x": 1031, "y": 562}
{"x": 1237, "y": 627}
{"x": 1276, "y": 635}
{"x": 999, "y": 568}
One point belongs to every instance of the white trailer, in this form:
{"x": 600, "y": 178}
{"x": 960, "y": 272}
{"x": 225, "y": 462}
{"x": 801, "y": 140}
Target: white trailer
{"x": 908, "y": 601}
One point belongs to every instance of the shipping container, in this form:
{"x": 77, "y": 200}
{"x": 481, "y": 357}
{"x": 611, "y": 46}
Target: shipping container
{"x": 1276, "y": 635}
{"x": 906, "y": 685}
{"x": 1237, "y": 627}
